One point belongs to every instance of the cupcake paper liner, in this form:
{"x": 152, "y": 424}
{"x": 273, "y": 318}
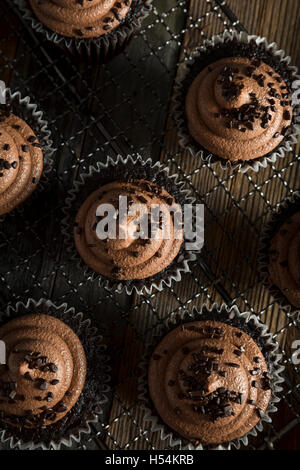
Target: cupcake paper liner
{"x": 29, "y": 112}
{"x": 275, "y": 220}
{"x": 231, "y": 315}
{"x": 68, "y": 430}
{"x": 104, "y": 47}
{"x": 123, "y": 169}
{"x": 201, "y": 57}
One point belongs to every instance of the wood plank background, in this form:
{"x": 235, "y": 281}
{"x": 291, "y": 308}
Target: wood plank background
{"x": 136, "y": 112}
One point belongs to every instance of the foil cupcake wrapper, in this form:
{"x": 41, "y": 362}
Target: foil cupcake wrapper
{"x": 275, "y": 220}
{"x": 104, "y": 47}
{"x": 183, "y": 82}
{"x": 89, "y": 337}
{"x": 29, "y": 112}
{"x": 119, "y": 170}
{"x": 231, "y": 315}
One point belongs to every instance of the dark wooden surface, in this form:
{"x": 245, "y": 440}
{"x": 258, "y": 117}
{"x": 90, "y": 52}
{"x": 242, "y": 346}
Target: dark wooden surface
{"x": 131, "y": 97}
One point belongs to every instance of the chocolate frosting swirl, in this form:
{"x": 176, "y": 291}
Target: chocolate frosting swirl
{"x": 21, "y": 162}
{"x": 130, "y": 257}
{"x": 284, "y": 265}
{"x": 238, "y": 109}
{"x": 81, "y": 18}
{"x": 209, "y": 382}
{"x": 45, "y": 371}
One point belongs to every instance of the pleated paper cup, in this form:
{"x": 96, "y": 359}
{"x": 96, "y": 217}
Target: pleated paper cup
{"x": 275, "y": 220}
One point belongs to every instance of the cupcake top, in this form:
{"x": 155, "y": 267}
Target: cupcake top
{"x": 21, "y": 161}
{"x": 44, "y": 373}
{"x": 128, "y": 256}
{"x": 284, "y": 259}
{"x": 209, "y": 382}
{"x": 239, "y": 108}
{"x": 81, "y": 18}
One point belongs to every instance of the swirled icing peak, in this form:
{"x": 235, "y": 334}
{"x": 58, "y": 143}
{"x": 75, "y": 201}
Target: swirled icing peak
{"x": 81, "y": 18}
{"x": 238, "y": 109}
{"x": 209, "y": 382}
{"x": 44, "y": 373}
{"x": 128, "y": 257}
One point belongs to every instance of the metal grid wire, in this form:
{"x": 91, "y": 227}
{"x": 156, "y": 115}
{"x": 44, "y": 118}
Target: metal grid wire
{"x": 119, "y": 108}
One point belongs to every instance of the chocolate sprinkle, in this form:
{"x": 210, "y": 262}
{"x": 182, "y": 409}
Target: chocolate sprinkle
{"x": 232, "y": 364}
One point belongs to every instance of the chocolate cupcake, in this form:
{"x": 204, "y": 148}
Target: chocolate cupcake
{"x": 236, "y": 102}
{"x": 44, "y": 386}
{"x": 279, "y": 254}
{"x": 212, "y": 379}
{"x": 87, "y": 27}
{"x": 25, "y": 147}
{"x": 128, "y": 258}
{"x": 284, "y": 264}
{"x": 45, "y": 371}
{"x": 138, "y": 260}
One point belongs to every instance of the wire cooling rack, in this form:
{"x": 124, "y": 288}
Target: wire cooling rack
{"x": 119, "y": 108}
